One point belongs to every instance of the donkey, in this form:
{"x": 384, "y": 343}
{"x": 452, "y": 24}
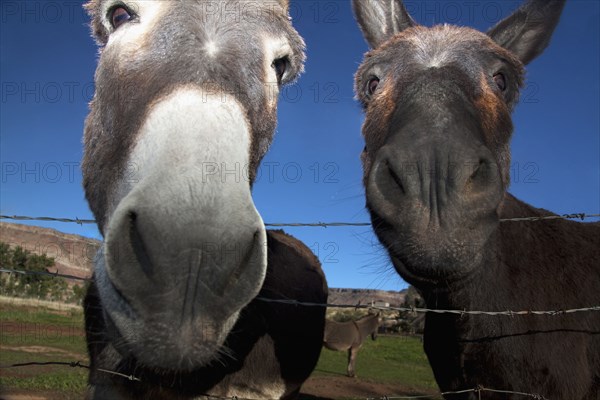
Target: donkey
{"x": 349, "y": 336}
{"x": 184, "y": 111}
{"x": 437, "y": 127}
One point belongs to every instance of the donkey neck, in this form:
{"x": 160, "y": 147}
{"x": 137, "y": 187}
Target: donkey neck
{"x": 366, "y": 325}
{"x": 519, "y": 253}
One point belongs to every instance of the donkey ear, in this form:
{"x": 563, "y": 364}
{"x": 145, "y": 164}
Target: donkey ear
{"x": 379, "y": 20}
{"x": 527, "y": 32}
{"x": 285, "y": 4}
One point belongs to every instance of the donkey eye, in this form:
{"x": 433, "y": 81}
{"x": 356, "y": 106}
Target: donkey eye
{"x": 118, "y": 16}
{"x": 500, "y": 81}
{"x": 372, "y": 86}
{"x": 280, "y": 66}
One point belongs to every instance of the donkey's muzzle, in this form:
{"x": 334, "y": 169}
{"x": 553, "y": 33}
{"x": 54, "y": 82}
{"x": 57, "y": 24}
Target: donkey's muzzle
{"x": 185, "y": 248}
{"x": 434, "y": 208}
{"x": 204, "y": 254}
{"x": 169, "y": 291}
{"x": 440, "y": 180}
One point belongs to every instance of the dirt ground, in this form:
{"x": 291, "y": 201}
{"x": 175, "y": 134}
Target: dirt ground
{"x": 24, "y": 397}
{"x": 338, "y": 387}
{"x": 327, "y": 387}
{"x": 316, "y": 388}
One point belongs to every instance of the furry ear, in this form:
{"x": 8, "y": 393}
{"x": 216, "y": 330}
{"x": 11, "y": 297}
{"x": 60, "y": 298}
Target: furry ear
{"x": 98, "y": 31}
{"x": 379, "y": 20}
{"x": 285, "y": 4}
{"x": 527, "y": 32}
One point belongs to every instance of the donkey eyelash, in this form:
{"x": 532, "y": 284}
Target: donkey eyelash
{"x": 283, "y": 68}
{"x": 110, "y": 10}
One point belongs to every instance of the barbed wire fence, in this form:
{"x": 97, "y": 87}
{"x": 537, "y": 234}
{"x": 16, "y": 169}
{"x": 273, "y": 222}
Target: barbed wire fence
{"x": 477, "y": 390}
{"x": 578, "y": 216}
{"x": 358, "y": 306}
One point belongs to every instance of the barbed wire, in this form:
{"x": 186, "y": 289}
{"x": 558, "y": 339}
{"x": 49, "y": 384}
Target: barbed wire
{"x": 45, "y": 273}
{"x": 507, "y": 313}
{"x": 78, "y": 364}
{"x": 73, "y": 364}
{"x": 48, "y": 219}
{"x": 579, "y": 216}
{"x": 478, "y": 390}
{"x": 273, "y": 225}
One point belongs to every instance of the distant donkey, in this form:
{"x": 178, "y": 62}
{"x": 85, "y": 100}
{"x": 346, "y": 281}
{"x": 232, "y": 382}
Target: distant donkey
{"x": 185, "y": 109}
{"x": 350, "y": 335}
{"x": 436, "y": 170}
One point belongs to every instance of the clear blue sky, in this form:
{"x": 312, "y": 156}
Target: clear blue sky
{"x": 47, "y": 63}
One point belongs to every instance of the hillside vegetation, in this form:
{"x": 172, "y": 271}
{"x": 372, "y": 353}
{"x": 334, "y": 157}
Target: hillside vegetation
{"x": 34, "y": 285}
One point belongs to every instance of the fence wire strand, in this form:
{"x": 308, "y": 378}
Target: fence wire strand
{"x": 579, "y": 216}
{"x": 133, "y": 378}
{"x": 42, "y": 273}
{"x": 507, "y": 313}
{"x": 292, "y": 302}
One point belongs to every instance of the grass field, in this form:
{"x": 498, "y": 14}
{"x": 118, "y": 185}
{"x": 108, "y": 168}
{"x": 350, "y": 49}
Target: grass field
{"x": 389, "y": 359}
{"x": 30, "y": 334}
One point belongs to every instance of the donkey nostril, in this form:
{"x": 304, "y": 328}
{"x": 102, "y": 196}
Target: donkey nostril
{"x": 138, "y": 246}
{"x": 395, "y": 178}
{"x": 247, "y": 260}
{"x": 480, "y": 174}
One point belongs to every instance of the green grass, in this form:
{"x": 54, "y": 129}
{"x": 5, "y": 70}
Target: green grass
{"x": 389, "y": 359}
{"x": 36, "y": 335}
{"x": 57, "y": 378}
{"x": 32, "y": 315}
{"x": 33, "y": 327}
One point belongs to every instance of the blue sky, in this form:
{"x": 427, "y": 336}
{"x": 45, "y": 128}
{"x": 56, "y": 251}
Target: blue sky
{"x": 312, "y": 172}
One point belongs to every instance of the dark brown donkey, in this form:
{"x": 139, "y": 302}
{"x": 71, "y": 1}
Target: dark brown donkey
{"x": 436, "y": 170}
{"x": 184, "y": 110}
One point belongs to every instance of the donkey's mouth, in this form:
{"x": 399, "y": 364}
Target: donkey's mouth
{"x": 170, "y": 339}
{"x": 426, "y": 256}
{"x": 171, "y": 304}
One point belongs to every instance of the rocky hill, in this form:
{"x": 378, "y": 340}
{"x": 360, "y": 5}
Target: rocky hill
{"x": 73, "y": 254}
{"x": 366, "y": 296}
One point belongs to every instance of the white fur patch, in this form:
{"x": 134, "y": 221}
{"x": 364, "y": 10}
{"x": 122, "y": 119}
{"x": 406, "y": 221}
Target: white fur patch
{"x": 259, "y": 378}
{"x": 202, "y": 141}
{"x": 274, "y": 49}
{"x": 395, "y": 27}
{"x": 436, "y": 60}
{"x": 211, "y": 48}
{"x": 435, "y": 47}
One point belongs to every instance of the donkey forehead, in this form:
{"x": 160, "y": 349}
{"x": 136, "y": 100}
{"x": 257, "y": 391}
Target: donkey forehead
{"x": 219, "y": 9}
{"x": 442, "y": 45}
{"x": 222, "y": 17}
{"x": 199, "y": 41}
